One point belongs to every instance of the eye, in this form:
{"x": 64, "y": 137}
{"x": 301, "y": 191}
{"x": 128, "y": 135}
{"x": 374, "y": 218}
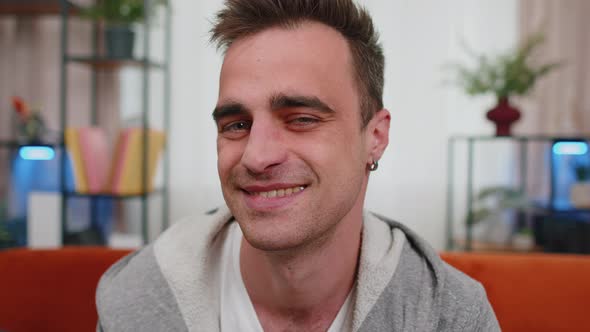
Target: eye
{"x": 302, "y": 122}
{"x": 237, "y": 126}
{"x": 236, "y": 129}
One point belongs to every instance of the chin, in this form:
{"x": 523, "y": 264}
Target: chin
{"x": 270, "y": 245}
{"x": 281, "y": 237}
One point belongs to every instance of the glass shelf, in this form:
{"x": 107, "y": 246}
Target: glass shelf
{"x": 33, "y": 7}
{"x": 541, "y": 138}
{"x": 159, "y": 191}
{"x": 109, "y": 63}
{"x": 10, "y": 144}
{"x": 461, "y": 245}
{"x": 523, "y": 142}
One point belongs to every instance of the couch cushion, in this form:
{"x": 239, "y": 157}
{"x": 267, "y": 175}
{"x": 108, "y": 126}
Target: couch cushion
{"x": 532, "y": 292}
{"x": 51, "y": 290}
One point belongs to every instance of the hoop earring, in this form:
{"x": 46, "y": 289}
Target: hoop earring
{"x": 374, "y": 165}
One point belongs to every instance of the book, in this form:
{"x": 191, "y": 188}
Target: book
{"x": 96, "y": 157}
{"x": 116, "y": 168}
{"x": 98, "y": 171}
{"x": 127, "y": 168}
{"x": 74, "y": 150}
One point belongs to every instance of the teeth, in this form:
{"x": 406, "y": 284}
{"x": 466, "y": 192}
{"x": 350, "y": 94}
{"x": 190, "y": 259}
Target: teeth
{"x": 280, "y": 192}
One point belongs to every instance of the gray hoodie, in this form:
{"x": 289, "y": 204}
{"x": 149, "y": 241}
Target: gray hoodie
{"x": 402, "y": 284}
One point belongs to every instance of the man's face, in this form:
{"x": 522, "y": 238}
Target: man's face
{"x": 292, "y": 156}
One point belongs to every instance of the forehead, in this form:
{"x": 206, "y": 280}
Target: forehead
{"x": 310, "y": 59}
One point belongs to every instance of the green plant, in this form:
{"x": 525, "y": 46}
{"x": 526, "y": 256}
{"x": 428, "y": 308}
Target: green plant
{"x": 504, "y": 75}
{"x": 526, "y": 231}
{"x": 119, "y": 11}
{"x": 493, "y": 200}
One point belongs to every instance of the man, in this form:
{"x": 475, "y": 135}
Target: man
{"x": 300, "y": 127}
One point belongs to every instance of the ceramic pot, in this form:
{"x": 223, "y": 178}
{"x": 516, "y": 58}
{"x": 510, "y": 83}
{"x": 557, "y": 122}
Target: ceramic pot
{"x": 119, "y": 40}
{"x": 503, "y": 116}
{"x": 523, "y": 242}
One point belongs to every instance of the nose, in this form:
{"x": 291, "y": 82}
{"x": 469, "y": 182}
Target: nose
{"x": 265, "y": 148}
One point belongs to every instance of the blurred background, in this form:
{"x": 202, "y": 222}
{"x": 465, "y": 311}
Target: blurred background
{"x": 135, "y": 123}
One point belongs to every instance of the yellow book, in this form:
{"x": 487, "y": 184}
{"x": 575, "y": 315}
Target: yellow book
{"x": 73, "y": 148}
{"x": 129, "y": 166}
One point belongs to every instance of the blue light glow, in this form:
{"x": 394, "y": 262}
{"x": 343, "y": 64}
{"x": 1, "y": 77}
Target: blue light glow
{"x": 36, "y": 153}
{"x": 570, "y": 148}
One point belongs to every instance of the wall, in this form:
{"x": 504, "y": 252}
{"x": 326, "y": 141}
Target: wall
{"x": 419, "y": 36}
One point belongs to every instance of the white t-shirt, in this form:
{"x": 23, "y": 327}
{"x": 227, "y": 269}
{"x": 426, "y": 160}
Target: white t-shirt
{"x": 237, "y": 311}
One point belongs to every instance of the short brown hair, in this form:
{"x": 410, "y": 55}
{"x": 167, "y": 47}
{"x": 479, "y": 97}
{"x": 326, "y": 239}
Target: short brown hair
{"x": 240, "y": 18}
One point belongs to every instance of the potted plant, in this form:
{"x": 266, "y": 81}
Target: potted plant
{"x": 489, "y": 204}
{"x": 580, "y": 191}
{"x": 118, "y": 17}
{"x": 523, "y": 239}
{"x": 31, "y": 127}
{"x": 504, "y": 76}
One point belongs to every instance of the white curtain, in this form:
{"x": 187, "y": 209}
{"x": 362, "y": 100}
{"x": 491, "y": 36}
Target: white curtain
{"x": 560, "y": 103}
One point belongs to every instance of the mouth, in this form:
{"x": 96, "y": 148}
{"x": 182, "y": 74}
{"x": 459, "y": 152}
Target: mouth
{"x": 279, "y": 192}
{"x": 272, "y": 197}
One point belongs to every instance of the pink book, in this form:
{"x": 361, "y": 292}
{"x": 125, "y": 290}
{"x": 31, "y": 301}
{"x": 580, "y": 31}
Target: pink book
{"x": 119, "y": 159}
{"x": 96, "y": 156}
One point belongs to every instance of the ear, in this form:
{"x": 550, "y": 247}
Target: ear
{"x": 378, "y": 135}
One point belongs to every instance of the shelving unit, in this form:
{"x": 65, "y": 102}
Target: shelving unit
{"x": 96, "y": 62}
{"x": 522, "y": 143}
{"x": 104, "y": 63}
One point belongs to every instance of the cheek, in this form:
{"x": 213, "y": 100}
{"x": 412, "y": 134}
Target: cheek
{"x": 335, "y": 156}
{"x": 229, "y": 154}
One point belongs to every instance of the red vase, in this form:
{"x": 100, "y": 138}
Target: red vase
{"x": 503, "y": 115}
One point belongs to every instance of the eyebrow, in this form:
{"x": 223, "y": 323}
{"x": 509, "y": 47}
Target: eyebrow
{"x": 228, "y": 109}
{"x": 277, "y": 102}
{"x": 280, "y": 100}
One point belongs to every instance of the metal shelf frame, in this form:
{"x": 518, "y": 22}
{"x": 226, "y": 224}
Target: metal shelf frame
{"x": 521, "y": 141}
{"x": 96, "y": 63}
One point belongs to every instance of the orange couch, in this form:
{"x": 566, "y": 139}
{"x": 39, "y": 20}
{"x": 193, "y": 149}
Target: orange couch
{"x": 533, "y": 292}
{"x": 53, "y": 290}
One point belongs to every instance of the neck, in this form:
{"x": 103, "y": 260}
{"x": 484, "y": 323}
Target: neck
{"x": 309, "y": 283}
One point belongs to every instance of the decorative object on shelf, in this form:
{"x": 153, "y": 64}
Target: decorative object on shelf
{"x": 493, "y": 200}
{"x": 118, "y": 16}
{"x": 507, "y": 75}
{"x": 491, "y": 205}
{"x": 523, "y": 240}
{"x": 97, "y": 171}
{"x": 580, "y": 191}
{"x": 31, "y": 127}
{"x": 503, "y": 115}
{"x": 124, "y": 178}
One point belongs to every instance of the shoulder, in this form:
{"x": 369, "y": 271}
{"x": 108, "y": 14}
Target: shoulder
{"x": 142, "y": 289}
{"x": 464, "y": 303}
{"x": 432, "y": 294}
{"x": 132, "y": 292}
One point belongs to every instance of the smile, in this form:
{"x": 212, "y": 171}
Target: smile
{"x": 278, "y": 192}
